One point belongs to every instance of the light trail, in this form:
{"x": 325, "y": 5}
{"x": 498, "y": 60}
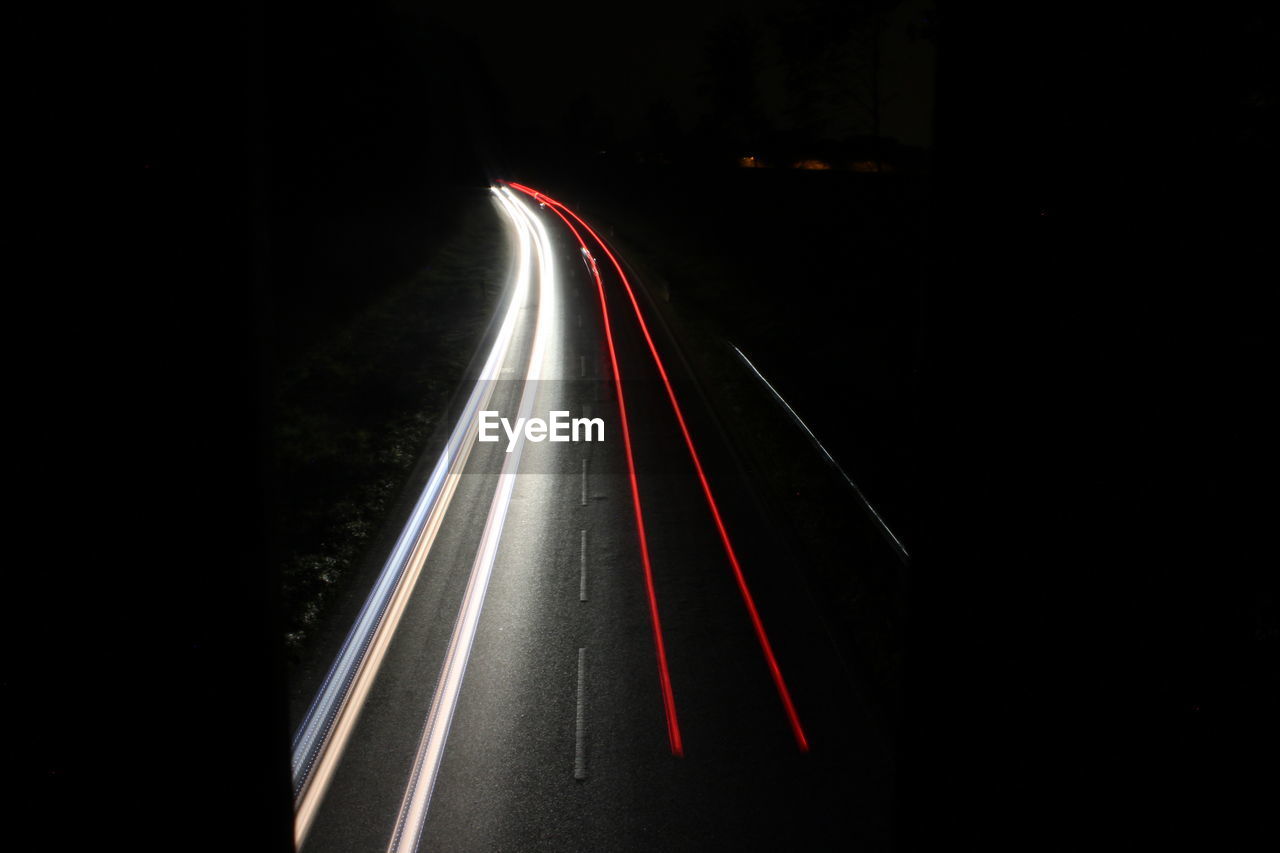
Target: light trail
{"x": 417, "y": 798}
{"x": 327, "y": 726}
{"x": 664, "y": 673}
{"x": 757, "y": 623}
{"x": 890, "y": 536}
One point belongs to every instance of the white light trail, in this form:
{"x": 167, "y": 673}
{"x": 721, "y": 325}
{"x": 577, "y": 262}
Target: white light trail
{"x": 324, "y": 731}
{"x": 413, "y": 808}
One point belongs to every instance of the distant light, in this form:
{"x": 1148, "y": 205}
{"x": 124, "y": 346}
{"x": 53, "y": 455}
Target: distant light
{"x": 811, "y": 165}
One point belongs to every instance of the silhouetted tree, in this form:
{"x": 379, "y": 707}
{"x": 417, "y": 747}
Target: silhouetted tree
{"x": 731, "y": 85}
{"x": 830, "y": 51}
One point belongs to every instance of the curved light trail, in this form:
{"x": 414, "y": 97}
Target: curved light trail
{"x": 757, "y": 623}
{"x": 664, "y": 673}
{"x": 325, "y": 729}
{"x": 417, "y": 798}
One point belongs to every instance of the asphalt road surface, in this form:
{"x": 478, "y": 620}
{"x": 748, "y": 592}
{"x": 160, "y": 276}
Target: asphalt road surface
{"x": 517, "y": 701}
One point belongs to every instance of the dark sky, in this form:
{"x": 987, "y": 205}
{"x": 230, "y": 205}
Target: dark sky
{"x": 628, "y": 56}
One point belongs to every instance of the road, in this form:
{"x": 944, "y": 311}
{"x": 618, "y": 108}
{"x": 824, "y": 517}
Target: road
{"x": 563, "y": 655}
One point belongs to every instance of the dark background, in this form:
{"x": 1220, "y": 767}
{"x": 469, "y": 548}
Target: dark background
{"x": 1092, "y": 636}
{"x": 1093, "y": 427}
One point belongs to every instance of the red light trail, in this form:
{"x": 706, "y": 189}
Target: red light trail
{"x": 664, "y": 675}
{"x": 770, "y": 658}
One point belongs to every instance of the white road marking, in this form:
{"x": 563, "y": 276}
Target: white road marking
{"x": 584, "y": 481}
{"x": 582, "y": 569}
{"x": 580, "y": 733}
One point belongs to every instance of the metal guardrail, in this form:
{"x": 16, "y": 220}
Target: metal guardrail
{"x": 885, "y": 531}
